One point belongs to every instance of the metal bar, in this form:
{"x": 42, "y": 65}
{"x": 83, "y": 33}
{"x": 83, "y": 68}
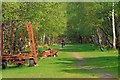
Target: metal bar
{"x": 1, "y": 39}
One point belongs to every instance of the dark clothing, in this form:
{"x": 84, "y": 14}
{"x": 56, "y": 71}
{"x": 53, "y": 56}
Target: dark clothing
{"x": 62, "y": 43}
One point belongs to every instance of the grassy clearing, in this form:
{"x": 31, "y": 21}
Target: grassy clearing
{"x": 58, "y": 67}
{"x": 107, "y": 61}
{"x": 63, "y": 66}
{"x": 94, "y": 58}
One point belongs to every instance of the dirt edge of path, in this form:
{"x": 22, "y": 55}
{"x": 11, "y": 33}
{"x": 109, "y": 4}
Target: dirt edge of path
{"x": 81, "y": 61}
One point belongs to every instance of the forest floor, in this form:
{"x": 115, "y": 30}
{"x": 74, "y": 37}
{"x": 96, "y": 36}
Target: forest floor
{"x": 73, "y": 61}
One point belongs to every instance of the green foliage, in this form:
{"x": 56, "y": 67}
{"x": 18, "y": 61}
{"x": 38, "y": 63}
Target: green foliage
{"x": 81, "y": 19}
{"x": 50, "y": 17}
{"x": 84, "y": 18}
{"x": 74, "y": 20}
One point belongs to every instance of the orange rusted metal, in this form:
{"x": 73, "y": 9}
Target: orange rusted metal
{"x": 20, "y": 58}
{"x": 1, "y": 38}
{"x": 1, "y": 42}
{"x": 32, "y": 42}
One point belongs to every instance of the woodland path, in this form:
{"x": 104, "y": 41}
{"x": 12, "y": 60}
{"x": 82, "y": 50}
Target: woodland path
{"x": 81, "y": 61}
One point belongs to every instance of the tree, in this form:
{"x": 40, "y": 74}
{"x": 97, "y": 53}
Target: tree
{"x": 50, "y": 17}
{"x": 113, "y": 24}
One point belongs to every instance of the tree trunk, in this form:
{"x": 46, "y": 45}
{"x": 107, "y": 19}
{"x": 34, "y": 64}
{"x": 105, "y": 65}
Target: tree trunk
{"x": 108, "y": 42}
{"x": 53, "y": 40}
{"x": 43, "y": 39}
{"x": 119, "y": 31}
{"x": 119, "y": 42}
{"x": 80, "y": 39}
{"x": 49, "y": 41}
{"x": 113, "y": 25}
{"x": 99, "y": 39}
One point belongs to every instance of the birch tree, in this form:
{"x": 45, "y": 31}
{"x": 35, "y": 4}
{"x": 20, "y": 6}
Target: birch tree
{"x": 113, "y": 25}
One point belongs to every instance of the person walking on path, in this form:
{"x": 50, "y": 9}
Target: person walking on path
{"x": 63, "y": 43}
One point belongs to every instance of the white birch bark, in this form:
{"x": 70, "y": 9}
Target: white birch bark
{"x": 113, "y": 26}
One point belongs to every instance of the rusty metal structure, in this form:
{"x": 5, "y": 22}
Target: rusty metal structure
{"x": 13, "y": 55}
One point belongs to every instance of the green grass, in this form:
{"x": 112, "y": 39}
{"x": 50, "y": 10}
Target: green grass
{"x": 107, "y": 61}
{"x": 58, "y": 67}
{"x": 94, "y": 58}
{"x": 63, "y": 66}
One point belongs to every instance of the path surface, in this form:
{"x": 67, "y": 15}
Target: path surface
{"x": 102, "y": 73}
